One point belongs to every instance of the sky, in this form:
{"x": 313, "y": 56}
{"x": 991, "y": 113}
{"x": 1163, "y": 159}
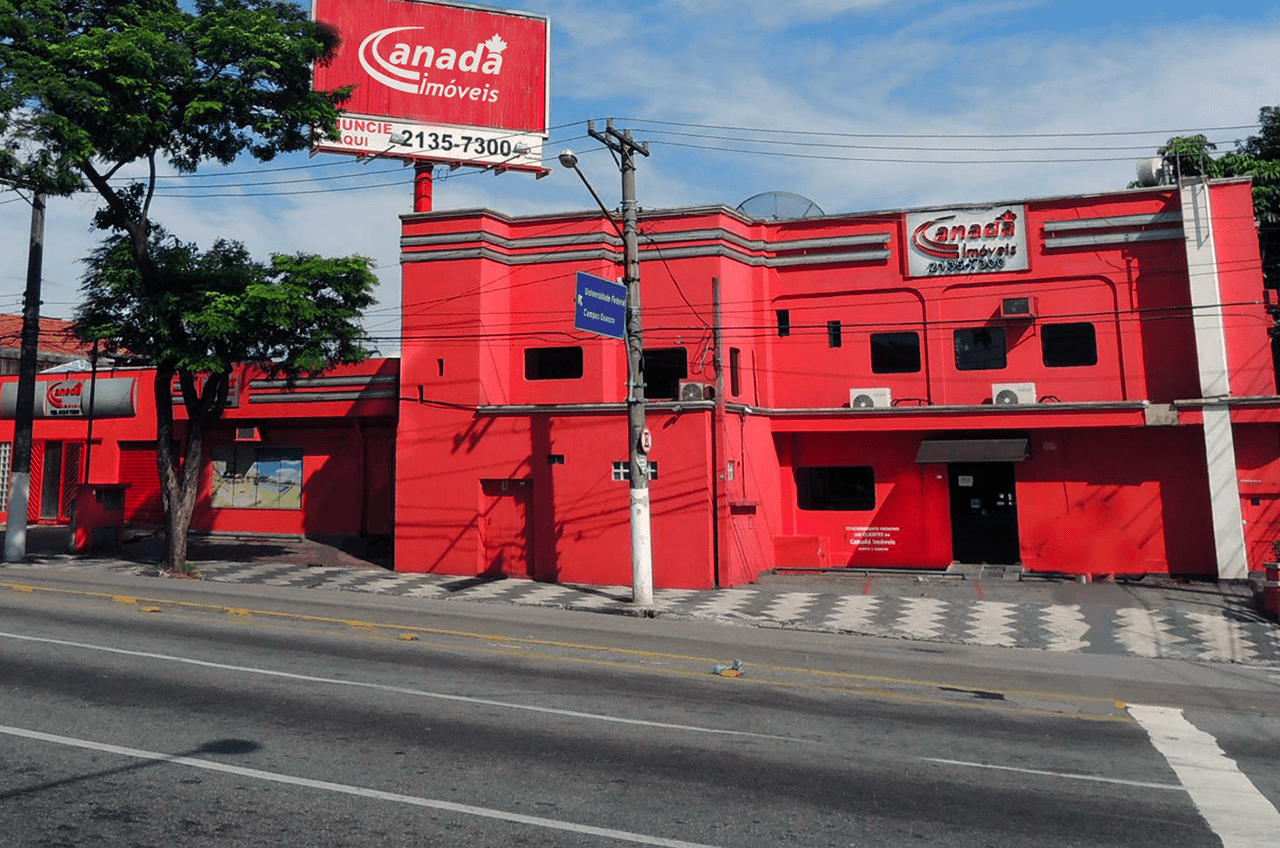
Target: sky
{"x": 856, "y": 105}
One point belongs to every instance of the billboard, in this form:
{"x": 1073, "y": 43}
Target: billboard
{"x": 438, "y": 81}
{"x": 954, "y": 242}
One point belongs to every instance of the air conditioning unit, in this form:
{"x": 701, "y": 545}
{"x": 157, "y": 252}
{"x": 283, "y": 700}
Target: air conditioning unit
{"x": 1011, "y": 394}
{"x": 691, "y": 390}
{"x": 870, "y": 398}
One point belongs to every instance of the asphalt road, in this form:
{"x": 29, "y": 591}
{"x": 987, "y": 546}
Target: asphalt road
{"x": 150, "y": 713}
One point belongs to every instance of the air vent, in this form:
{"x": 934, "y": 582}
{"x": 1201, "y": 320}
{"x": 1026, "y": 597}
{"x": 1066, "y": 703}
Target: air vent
{"x": 1013, "y": 394}
{"x": 691, "y": 390}
{"x": 1018, "y": 307}
{"x": 870, "y": 398}
{"x": 248, "y": 434}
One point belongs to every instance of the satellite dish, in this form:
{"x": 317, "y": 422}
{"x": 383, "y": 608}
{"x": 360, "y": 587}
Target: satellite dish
{"x": 1151, "y": 171}
{"x": 779, "y": 206}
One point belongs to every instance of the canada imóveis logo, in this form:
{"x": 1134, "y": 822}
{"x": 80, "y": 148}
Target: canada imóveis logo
{"x": 936, "y": 237}
{"x": 406, "y": 65}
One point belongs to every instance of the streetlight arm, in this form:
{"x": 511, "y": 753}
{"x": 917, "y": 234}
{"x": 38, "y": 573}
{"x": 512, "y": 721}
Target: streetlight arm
{"x": 599, "y": 202}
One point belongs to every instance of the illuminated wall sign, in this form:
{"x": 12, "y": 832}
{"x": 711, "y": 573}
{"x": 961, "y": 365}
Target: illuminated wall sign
{"x": 113, "y": 397}
{"x": 957, "y": 242}
{"x": 438, "y": 81}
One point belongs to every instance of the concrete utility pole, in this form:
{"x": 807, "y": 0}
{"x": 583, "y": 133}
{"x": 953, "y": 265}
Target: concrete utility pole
{"x": 15, "y": 531}
{"x": 624, "y": 149}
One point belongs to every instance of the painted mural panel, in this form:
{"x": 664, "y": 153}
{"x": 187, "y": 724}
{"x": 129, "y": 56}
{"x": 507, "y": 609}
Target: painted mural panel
{"x": 251, "y": 477}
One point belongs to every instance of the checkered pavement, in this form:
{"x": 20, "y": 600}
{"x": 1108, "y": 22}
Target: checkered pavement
{"x": 1214, "y": 636}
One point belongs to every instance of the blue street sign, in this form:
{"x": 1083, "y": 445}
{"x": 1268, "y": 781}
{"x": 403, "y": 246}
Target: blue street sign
{"x": 600, "y": 306}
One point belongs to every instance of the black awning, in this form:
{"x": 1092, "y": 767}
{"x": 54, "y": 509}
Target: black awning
{"x": 973, "y": 450}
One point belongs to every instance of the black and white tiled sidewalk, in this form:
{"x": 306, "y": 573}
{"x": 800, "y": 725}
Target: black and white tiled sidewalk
{"x": 1209, "y": 634}
{"x": 1215, "y": 635}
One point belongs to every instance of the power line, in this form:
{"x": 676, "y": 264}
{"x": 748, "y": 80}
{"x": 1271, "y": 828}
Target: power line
{"x": 1086, "y": 134}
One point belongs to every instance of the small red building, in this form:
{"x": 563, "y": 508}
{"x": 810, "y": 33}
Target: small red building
{"x": 313, "y": 459}
{"x": 1079, "y": 385}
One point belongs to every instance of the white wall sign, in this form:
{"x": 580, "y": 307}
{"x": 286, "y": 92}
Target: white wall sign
{"x": 957, "y": 242}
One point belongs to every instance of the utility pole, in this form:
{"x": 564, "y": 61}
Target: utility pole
{"x": 15, "y": 531}
{"x": 624, "y": 149}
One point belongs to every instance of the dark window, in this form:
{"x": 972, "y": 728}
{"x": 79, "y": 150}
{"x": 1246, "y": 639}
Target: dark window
{"x": 664, "y": 368}
{"x": 895, "y": 353}
{"x": 553, "y": 363}
{"x": 784, "y": 322}
{"x": 735, "y": 373}
{"x": 980, "y": 349}
{"x": 833, "y": 334}
{"x": 1065, "y": 345}
{"x": 836, "y": 487}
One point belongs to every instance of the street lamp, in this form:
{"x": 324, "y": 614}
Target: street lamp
{"x": 624, "y": 149}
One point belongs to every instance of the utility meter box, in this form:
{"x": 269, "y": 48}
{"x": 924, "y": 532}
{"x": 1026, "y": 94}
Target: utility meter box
{"x": 98, "y": 522}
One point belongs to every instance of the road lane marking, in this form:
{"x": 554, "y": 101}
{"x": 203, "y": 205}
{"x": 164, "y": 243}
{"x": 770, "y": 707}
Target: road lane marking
{"x": 847, "y": 683}
{"x": 400, "y": 690}
{"x": 1066, "y": 775}
{"x": 1231, "y": 805}
{"x": 359, "y": 791}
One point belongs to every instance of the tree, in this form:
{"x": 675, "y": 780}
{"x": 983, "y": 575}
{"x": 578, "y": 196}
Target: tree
{"x": 1258, "y": 157}
{"x": 88, "y": 87}
{"x": 294, "y": 315}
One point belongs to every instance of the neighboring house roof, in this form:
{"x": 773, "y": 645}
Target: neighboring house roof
{"x": 56, "y": 337}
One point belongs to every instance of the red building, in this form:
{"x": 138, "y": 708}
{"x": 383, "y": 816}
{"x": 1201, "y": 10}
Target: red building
{"x": 314, "y": 459}
{"x": 1075, "y": 384}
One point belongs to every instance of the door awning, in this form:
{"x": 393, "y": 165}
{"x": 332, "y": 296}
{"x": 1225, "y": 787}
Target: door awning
{"x": 973, "y": 450}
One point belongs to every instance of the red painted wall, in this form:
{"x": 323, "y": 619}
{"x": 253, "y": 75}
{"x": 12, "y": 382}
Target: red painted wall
{"x": 1098, "y": 493}
{"x": 342, "y": 421}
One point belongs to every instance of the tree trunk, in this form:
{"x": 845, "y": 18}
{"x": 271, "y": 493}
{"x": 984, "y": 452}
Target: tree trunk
{"x": 179, "y": 484}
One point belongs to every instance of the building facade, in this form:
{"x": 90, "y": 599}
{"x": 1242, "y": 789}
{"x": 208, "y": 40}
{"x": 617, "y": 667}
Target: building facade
{"x": 312, "y": 459}
{"x": 1078, "y": 385}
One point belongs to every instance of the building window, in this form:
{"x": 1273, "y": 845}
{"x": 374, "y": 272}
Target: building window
{"x": 895, "y": 353}
{"x": 622, "y": 471}
{"x": 251, "y": 477}
{"x": 834, "y": 334}
{"x": 1067, "y": 345}
{"x": 664, "y": 368}
{"x": 735, "y": 371}
{"x": 784, "y": 322}
{"x": 980, "y": 349}
{"x": 836, "y": 487}
{"x": 552, "y": 363}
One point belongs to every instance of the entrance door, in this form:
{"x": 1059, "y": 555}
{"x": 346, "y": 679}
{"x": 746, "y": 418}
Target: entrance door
{"x": 506, "y": 543}
{"x": 984, "y": 514}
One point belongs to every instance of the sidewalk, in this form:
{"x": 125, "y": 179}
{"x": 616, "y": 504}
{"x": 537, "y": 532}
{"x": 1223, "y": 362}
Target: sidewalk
{"x": 1156, "y": 617}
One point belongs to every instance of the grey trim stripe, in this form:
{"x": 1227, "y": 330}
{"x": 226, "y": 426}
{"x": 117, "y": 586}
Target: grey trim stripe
{"x": 310, "y": 397}
{"x": 541, "y": 243}
{"x": 326, "y": 382}
{"x": 1112, "y": 238}
{"x": 1114, "y": 222}
{"x": 698, "y": 251}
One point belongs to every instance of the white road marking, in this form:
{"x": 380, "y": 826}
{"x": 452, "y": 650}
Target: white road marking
{"x": 1068, "y": 627}
{"x": 790, "y": 606}
{"x": 853, "y": 613}
{"x": 1234, "y": 809}
{"x": 1068, "y": 776}
{"x": 360, "y": 791}
{"x": 400, "y": 690}
{"x": 923, "y": 618}
{"x": 991, "y": 623}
